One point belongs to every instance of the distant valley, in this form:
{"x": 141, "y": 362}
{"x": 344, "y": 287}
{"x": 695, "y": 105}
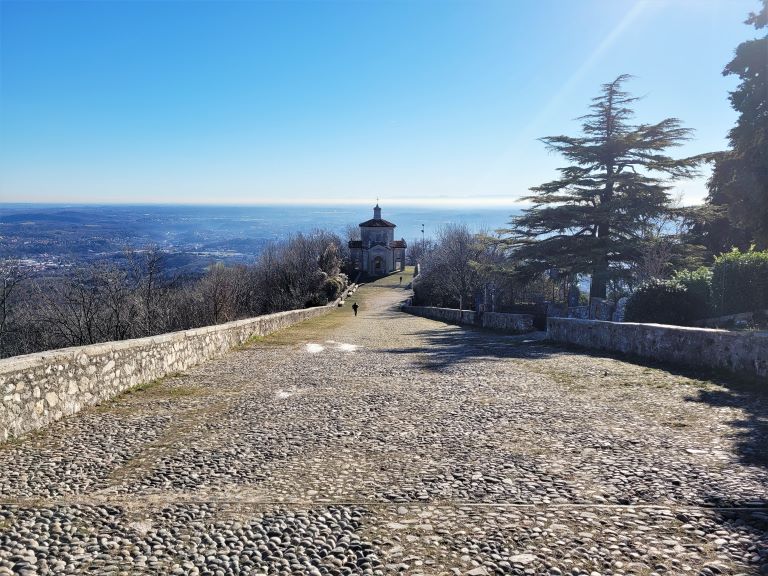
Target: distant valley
{"x": 49, "y": 239}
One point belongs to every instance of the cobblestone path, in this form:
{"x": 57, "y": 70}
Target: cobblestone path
{"x": 388, "y": 444}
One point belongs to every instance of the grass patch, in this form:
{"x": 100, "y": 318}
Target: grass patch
{"x": 151, "y": 385}
{"x": 393, "y": 280}
{"x": 152, "y": 390}
{"x": 182, "y": 391}
{"x": 255, "y": 339}
{"x": 31, "y": 436}
{"x": 316, "y": 329}
{"x": 143, "y": 387}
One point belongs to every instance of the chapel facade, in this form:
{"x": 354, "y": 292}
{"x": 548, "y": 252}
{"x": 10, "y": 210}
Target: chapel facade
{"x": 377, "y": 252}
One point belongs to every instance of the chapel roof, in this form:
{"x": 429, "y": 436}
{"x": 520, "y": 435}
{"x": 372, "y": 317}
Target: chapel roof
{"x": 377, "y": 223}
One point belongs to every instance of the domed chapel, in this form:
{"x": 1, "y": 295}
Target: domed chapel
{"x": 377, "y": 252}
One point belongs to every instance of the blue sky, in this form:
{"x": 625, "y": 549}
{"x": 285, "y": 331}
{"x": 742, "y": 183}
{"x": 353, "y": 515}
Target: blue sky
{"x": 263, "y": 102}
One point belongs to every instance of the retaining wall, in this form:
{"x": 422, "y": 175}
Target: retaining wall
{"x": 40, "y": 388}
{"x": 507, "y": 322}
{"x": 743, "y": 353}
{"x": 515, "y": 323}
{"x": 449, "y": 315}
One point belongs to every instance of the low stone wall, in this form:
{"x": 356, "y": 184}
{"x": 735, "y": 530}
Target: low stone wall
{"x": 40, "y": 388}
{"x": 515, "y": 323}
{"x": 448, "y": 315}
{"x": 731, "y": 319}
{"x": 743, "y": 353}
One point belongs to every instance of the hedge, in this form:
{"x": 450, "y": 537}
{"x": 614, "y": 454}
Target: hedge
{"x": 699, "y": 285}
{"x": 740, "y": 282}
{"x": 664, "y": 302}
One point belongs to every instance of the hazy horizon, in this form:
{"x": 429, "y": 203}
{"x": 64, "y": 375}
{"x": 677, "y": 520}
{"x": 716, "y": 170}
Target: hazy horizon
{"x": 454, "y": 204}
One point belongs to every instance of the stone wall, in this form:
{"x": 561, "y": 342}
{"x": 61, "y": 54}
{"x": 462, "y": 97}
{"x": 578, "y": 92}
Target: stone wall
{"x": 743, "y": 353}
{"x": 448, "y": 315}
{"x": 733, "y": 319}
{"x": 40, "y": 388}
{"x": 515, "y": 323}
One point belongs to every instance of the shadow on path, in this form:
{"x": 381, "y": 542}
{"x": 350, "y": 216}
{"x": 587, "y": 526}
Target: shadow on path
{"x": 447, "y": 347}
{"x": 444, "y": 348}
{"x": 750, "y": 431}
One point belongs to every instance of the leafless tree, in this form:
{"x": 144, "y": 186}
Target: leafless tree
{"x": 662, "y": 240}
{"x": 117, "y": 302}
{"x": 68, "y": 309}
{"x": 457, "y": 252}
{"x": 147, "y": 269}
{"x": 419, "y": 250}
{"x": 351, "y": 232}
{"x": 11, "y": 278}
{"x": 221, "y": 289}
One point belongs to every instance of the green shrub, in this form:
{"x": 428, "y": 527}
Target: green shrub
{"x": 740, "y": 282}
{"x": 316, "y": 300}
{"x": 662, "y": 302}
{"x": 699, "y": 285}
{"x": 333, "y": 287}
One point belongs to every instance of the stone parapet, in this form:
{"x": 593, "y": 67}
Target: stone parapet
{"x": 516, "y": 323}
{"x": 37, "y": 389}
{"x": 744, "y": 353}
{"x": 513, "y": 323}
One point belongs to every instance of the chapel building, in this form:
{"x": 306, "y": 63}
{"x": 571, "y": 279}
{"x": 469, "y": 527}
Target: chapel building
{"x": 377, "y": 252}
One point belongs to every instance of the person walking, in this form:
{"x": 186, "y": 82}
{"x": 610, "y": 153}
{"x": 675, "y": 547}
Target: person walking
{"x": 354, "y": 308}
{"x": 401, "y": 279}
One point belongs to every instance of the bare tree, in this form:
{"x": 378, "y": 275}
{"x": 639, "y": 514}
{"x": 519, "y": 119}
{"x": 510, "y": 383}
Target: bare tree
{"x": 450, "y": 274}
{"x": 419, "y": 250}
{"x": 116, "y": 302}
{"x": 457, "y": 251}
{"x": 11, "y": 277}
{"x": 68, "y": 309}
{"x": 663, "y": 244}
{"x": 220, "y": 291}
{"x": 147, "y": 268}
{"x": 351, "y": 232}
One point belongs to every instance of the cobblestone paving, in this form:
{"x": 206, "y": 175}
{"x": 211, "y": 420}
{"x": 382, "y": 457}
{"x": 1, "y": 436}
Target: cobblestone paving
{"x": 389, "y": 444}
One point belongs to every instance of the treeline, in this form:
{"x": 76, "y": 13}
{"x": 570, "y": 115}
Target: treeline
{"x": 116, "y": 301}
{"x": 461, "y": 268}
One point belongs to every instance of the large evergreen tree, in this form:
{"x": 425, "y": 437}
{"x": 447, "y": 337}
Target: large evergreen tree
{"x": 592, "y": 218}
{"x": 739, "y": 182}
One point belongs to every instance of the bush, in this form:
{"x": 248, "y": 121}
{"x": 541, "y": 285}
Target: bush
{"x": 740, "y": 282}
{"x": 662, "y": 302}
{"x": 699, "y": 285}
{"x": 333, "y": 287}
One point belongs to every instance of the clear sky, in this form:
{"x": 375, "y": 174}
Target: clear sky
{"x": 411, "y": 101}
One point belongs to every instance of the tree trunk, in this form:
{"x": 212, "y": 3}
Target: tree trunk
{"x": 598, "y": 288}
